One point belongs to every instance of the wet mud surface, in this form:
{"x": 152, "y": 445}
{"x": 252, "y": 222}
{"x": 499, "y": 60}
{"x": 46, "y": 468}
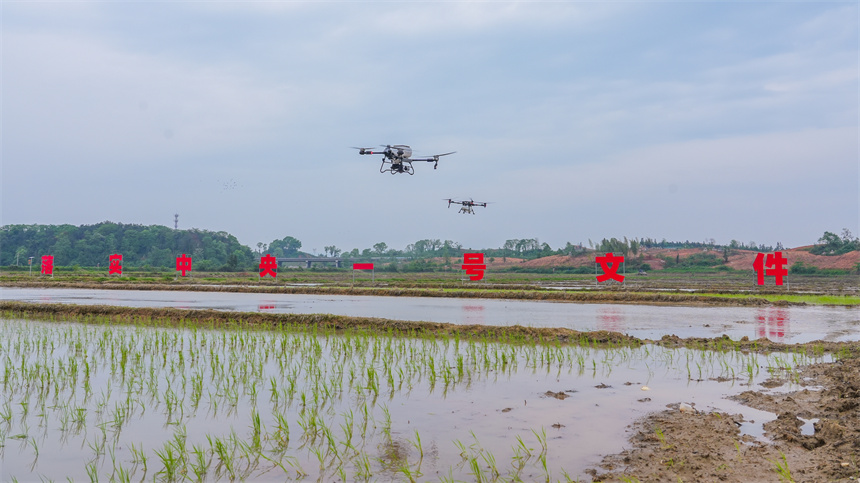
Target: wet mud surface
{"x": 676, "y": 445}
{"x": 814, "y": 437}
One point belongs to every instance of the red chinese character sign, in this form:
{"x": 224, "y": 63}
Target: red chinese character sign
{"x": 115, "y": 264}
{"x": 610, "y": 264}
{"x": 183, "y": 264}
{"x": 268, "y": 266}
{"x": 473, "y": 264}
{"x": 363, "y": 266}
{"x": 771, "y": 266}
{"x": 48, "y": 265}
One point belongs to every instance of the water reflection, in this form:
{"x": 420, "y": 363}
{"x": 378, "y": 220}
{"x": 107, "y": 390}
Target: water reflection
{"x": 611, "y": 319}
{"x": 473, "y": 314}
{"x": 772, "y": 323}
{"x": 808, "y": 323}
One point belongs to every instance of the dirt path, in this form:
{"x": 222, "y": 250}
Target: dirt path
{"x": 676, "y": 445}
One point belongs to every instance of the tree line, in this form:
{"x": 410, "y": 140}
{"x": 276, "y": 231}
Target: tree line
{"x": 140, "y": 246}
{"x": 158, "y": 246}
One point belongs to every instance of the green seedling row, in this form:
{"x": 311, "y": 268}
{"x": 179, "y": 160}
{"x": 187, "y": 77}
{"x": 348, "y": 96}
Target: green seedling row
{"x": 142, "y": 402}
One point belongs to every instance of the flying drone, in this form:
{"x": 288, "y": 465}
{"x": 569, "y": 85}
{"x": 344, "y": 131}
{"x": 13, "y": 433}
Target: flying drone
{"x": 468, "y": 205}
{"x": 399, "y": 158}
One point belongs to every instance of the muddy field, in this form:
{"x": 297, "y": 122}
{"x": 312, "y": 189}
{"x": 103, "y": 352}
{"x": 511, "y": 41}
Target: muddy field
{"x": 816, "y": 436}
{"x": 676, "y": 445}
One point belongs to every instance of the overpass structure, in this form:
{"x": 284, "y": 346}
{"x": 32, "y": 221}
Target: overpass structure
{"x": 338, "y": 261}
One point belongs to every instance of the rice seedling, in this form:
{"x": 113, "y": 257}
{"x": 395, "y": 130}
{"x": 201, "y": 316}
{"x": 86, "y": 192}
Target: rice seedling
{"x": 781, "y": 468}
{"x": 100, "y": 384}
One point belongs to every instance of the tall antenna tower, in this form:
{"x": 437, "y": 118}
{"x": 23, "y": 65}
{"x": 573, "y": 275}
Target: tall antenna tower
{"x": 176, "y": 221}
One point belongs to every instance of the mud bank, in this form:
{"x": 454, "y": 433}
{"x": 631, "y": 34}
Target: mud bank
{"x": 676, "y": 445}
{"x": 515, "y": 333}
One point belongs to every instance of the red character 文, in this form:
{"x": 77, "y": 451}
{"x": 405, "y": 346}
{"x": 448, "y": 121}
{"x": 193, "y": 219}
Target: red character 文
{"x": 183, "y": 264}
{"x": 268, "y": 266}
{"x": 610, "y": 264}
{"x": 473, "y": 264}
{"x": 47, "y": 265}
{"x": 115, "y": 264}
{"x": 771, "y": 266}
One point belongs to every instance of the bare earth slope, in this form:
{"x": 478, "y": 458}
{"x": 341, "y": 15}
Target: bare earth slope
{"x": 738, "y": 260}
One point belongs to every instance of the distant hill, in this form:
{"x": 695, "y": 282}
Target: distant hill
{"x": 660, "y": 258}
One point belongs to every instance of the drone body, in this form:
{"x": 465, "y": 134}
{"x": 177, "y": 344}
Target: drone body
{"x": 468, "y": 206}
{"x": 397, "y": 158}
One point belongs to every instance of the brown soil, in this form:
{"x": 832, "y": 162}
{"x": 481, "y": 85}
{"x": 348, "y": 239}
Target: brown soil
{"x": 743, "y": 259}
{"x": 692, "y": 446}
{"x": 738, "y": 259}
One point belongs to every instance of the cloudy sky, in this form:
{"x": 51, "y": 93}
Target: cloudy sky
{"x": 684, "y": 121}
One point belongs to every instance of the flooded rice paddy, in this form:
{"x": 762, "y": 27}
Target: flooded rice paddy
{"x": 791, "y": 324}
{"x": 124, "y": 402}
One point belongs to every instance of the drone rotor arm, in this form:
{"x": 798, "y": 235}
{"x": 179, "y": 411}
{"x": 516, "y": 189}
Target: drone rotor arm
{"x": 364, "y": 151}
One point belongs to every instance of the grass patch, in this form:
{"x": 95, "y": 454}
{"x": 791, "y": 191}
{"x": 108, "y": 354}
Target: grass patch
{"x": 811, "y": 299}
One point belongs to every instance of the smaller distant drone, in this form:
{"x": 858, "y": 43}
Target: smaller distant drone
{"x": 468, "y": 205}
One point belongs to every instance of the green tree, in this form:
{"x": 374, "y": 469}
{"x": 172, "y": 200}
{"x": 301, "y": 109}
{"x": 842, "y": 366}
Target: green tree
{"x": 380, "y": 248}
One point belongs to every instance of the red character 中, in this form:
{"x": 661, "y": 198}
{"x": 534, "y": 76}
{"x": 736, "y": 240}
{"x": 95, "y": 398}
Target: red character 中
{"x": 771, "y": 266}
{"x": 473, "y": 264}
{"x": 115, "y": 264}
{"x": 48, "y": 265}
{"x": 268, "y": 265}
{"x": 183, "y": 264}
{"x": 610, "y": 264}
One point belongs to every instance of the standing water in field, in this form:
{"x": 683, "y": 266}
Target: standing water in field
{"x": 794, "y": 324}
{"x": 127, "y": 402}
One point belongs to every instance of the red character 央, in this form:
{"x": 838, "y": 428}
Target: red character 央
{"x": 183, "y": 264}
{"x": 771, "y": 266}
{"x": 268, "y": 266}
{"x": 610, "y": 264}
{"x": 47, "y": 265}
{"x": 473, "y": 264}
{"x": 115, "y": 264}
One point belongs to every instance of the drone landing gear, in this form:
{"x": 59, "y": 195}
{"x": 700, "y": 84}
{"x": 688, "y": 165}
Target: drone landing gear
{"x": 398, "y": 167}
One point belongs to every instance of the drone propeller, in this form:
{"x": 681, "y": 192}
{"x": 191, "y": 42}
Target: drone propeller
{"x": 437, "y": 156}
{"x": 364, "y": 150}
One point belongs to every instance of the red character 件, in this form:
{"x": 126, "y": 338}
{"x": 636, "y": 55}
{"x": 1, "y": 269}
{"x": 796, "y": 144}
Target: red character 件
{"x": 771, "y": 266}
{"x": 473, "y": 264}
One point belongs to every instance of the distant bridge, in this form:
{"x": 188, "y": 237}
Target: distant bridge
{"x": 336, "y": 260}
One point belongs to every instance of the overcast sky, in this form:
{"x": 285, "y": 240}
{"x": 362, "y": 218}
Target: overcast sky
{"x": 684, "y": 121}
